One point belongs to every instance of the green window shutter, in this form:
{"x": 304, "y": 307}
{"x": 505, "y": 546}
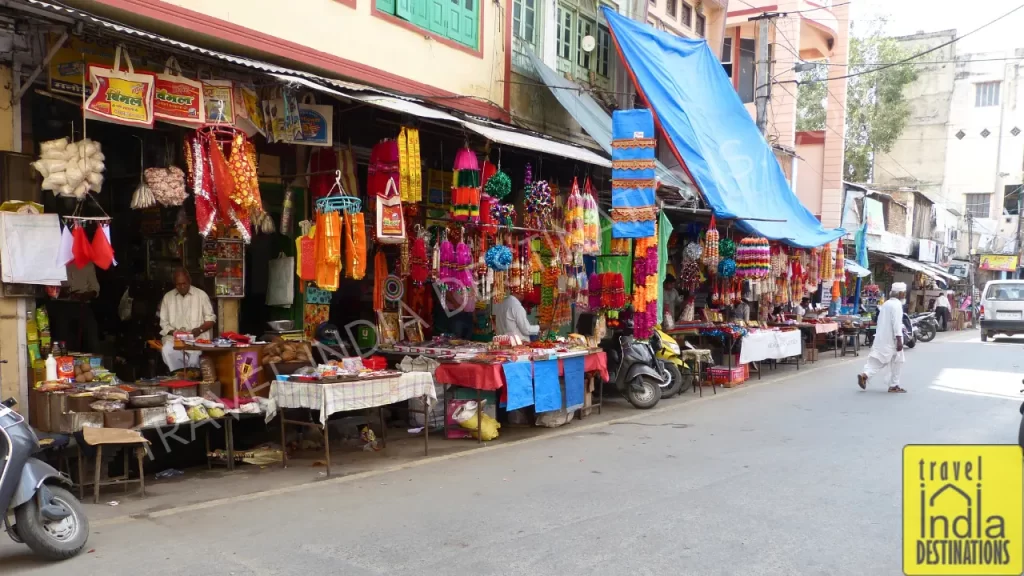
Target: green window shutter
{"x": 414, "y": 11}
{"x": 462, "y": 21}
{"x": 437, "y": 16}
{"x": 387, "y": 6}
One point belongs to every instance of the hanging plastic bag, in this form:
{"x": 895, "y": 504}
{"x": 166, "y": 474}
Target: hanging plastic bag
{"x": 280, "y": 284}
{"x": 82, "y": 249}
{"x": 118, "y": 96}
{"x": 102, "y": 251}
{"x": 179, "y": 100}
{"x": 124, "y": 307}
{"x": 390, "y": 219}
{"x": 66, "y": 251}
{"x": 306, "y": 249}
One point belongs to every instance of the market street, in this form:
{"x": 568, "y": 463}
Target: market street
{"x": 800, "y": 476}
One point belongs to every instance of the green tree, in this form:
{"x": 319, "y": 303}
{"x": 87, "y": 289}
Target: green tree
{"x": 876, "y": 111}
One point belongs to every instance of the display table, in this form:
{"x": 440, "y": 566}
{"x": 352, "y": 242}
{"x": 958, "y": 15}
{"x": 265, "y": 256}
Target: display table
{"x": 770, "y": 345}
{"x": 238, "y": 366}
{"x": 489, "y": 377}
{"x": 814, "y": 332}
{"x": 330, "y": 397}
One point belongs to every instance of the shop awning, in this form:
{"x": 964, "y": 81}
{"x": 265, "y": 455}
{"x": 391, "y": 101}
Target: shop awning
{"x": 492, "y": 131}
{"x": 712, "y": 135}
{"x": 915, "y": 266}
{"x": 938, "y": 270}
{"x": 595, "y": 120}
{"x": 856, "y": 269}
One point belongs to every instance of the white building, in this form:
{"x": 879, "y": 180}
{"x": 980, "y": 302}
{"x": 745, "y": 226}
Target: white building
{"x": 964, "y": 143}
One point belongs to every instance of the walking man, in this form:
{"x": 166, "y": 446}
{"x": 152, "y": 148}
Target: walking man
{"x": 887, "y": 349}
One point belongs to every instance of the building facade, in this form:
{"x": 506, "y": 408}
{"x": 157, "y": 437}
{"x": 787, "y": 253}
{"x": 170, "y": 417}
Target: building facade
{"x": 805, "y": 31}
{"x": 964, "y": 144}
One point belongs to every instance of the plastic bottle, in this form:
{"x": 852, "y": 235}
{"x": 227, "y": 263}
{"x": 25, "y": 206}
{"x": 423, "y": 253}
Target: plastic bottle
{"x": 51, "y": 367}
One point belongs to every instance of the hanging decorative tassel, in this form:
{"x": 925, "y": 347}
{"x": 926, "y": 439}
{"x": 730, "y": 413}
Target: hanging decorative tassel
{"x": 591, "y": 221}
{"x": 380, "y": 277}
{"x": 464, "y": 267}
{"x": 575, "y": 236}
{"x": 466, "y": 186}
{"x": 419, "y": 270}
{"x": 448, "y": 265}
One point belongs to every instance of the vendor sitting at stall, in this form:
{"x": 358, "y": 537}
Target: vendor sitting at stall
{"x": 510, "y": 318}
{"x": 184, "y": 309}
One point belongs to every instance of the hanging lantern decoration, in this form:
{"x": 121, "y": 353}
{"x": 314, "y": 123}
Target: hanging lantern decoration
{"x": 498, "y": 186}
{"x": 726, "y": 248}
{"x": 693, "y": 252}
{"x": 539, "y": 205}
{"x": 753, "y": 258}
{"x": 573, "y": 224}
{"x": 466, "y": 186}
{"x": 727, "y": 268}
{"x": 499, "y": 258}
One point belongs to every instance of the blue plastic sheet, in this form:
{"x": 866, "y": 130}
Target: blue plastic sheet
{"x": 712, "y": 134}
{"x": 573, "y": 368}
{"x": 631, "y": 125}
{"x": 547, "y": 392}
{"x": 519, "y": 379}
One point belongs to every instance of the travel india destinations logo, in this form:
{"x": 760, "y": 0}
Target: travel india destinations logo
{"x": 963, "y": 510}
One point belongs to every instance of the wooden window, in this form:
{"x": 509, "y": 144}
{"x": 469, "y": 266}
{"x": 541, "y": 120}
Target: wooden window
{"x": 686, "y": 17}
{"x": 457, "y": 20}
{"x": 701, "y": 22}
{"x": 524, "y": 20}
{"x": 584, "y": 27}
{"x": 604, "y": 50}
{"x": 670, "y": 8}
{"x": 563, "y": 38}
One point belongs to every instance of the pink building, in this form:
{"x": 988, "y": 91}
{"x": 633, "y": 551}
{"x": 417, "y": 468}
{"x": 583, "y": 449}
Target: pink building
{"x": 805, "y": 31}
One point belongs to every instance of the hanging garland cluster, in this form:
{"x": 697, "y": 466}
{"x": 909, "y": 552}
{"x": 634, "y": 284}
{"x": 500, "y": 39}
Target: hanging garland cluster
{"x": 591, "y": 221}
{"x": 693, "y": 252}
{"x": 498, "y": 186}
{"x": 753, "y": 258}
{"x": 503, "y": 214}
{"x": 499, "y": 258}
{"x": 539, "y": 205}
{"x": 690, "y": 275}
{"x": 575, "y": 236}
{"x": 726, "y": 248}
{"x": 727, "y": 268}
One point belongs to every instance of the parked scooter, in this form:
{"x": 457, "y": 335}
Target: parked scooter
{"x": 667, "y": 351}
{"x": 909, "y": 332}
{"x": 926, "y": 324}
{"x": 48, "y": 518}
{"x": 635, "y": 371}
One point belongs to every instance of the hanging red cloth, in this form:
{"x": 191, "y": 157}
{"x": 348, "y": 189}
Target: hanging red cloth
{"x": 102, "y": 251}
{"x": 323, "y": 162}
{"x": 82, "y": 249}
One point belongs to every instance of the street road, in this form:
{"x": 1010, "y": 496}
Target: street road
{"x": 800, "y": 476}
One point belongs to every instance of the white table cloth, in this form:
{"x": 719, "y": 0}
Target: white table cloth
{"x": 769, "y": 344}
{"x": 347, "y": 396}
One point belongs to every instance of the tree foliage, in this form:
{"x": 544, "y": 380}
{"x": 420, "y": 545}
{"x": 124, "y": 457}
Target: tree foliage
{"x": 876, "y": 110}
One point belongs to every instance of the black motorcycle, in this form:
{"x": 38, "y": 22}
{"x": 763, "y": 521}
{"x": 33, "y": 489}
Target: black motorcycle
{"x": 635, "y": 371}
{"x": 926, "y": 324}
{"x": 48, "y": 518}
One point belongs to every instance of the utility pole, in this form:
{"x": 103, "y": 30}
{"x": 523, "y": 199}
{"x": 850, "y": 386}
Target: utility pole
{"x": 970, "y": 266}
{"x": 762, "y": 73}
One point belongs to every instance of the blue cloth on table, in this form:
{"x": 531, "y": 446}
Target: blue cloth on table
{"x": 573, "y": 368}
{"x": 519, "y": 379}
{"x": 547, "y": 392}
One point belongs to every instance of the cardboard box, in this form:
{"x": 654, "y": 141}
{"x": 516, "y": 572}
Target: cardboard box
{"x": 810, "y": 354}
{"x": 76, "y": 421}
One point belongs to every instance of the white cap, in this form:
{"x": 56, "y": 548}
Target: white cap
{"x": 899, "y": 287}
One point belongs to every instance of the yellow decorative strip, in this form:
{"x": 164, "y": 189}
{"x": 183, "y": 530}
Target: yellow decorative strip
{"x": 635, "y": 143}
{"x": 620, "y": 183}
{"x": 639, "y": 214}
{"x": 632, "y": 164}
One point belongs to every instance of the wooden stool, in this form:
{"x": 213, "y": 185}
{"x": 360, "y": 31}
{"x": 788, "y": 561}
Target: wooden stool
{"x": 99, "y": 438}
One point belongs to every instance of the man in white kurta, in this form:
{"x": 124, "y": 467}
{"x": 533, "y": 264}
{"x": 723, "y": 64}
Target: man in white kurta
{"x": 184, "y": 309}
{"x": 887, "y": 349}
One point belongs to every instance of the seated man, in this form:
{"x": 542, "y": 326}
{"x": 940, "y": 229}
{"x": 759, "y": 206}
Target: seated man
{"x": 184, "y": 309}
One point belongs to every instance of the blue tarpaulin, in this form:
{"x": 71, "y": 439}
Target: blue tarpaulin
{"x": 712, "y": 134}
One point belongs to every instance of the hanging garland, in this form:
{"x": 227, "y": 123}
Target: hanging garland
{"x": 710, "y": 252}
{"x": 693, "y": 252}
{"x": 726, "y": 248}
{"x": 727, "y": 268}
{"x": 591, "y": 221}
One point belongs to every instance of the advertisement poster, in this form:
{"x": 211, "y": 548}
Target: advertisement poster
{"x": 67, "y": 66}
{"x": 997, "y": 262}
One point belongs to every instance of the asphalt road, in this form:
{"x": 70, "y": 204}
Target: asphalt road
{"x": 800, "y": 476}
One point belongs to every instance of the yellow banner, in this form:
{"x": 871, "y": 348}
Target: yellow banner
{"x": 962, "y": 510}
{"x": 67, "y": 66}
{"x": 998, "y": 262}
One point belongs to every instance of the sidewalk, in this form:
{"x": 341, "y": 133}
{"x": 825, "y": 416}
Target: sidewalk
{"x": 200, "y": 487}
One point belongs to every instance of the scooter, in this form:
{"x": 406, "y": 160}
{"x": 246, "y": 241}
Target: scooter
{"x": 926, "y": 324}
{"x": 667, "y": 351}
{"x": 910, "y": 332}
{"x": 48, "y": 518}
{"x": 635, "y": 371}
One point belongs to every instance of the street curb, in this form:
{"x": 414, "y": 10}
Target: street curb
{"x": 557, "y": 433}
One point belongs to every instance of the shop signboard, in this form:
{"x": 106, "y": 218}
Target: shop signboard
{"x": 997, "y": 262}
{"x": 927, "y": 250}
{"x": 875, "y": 216}
{"x": 68, "y": 64}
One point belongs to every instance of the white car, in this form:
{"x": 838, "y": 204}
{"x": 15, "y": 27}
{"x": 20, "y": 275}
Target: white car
{"x": 1002, "y": 308}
